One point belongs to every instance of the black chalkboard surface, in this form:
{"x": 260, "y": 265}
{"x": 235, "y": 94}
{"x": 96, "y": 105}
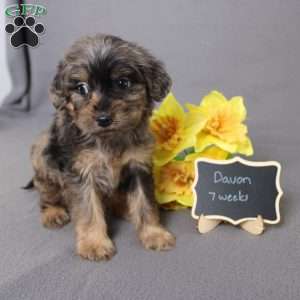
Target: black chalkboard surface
{"x": 237, "y": 190}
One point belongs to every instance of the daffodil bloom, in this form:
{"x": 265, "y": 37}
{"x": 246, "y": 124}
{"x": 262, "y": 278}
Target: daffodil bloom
{"x": 172, "y": 130}
{"x": 173, "y": 181}
{"x": 212, "y": 152}
{"x": 224, "y": 124}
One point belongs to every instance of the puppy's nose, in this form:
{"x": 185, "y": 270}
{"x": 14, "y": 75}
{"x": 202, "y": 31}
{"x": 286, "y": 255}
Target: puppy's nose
{"x": 104, "y": 120}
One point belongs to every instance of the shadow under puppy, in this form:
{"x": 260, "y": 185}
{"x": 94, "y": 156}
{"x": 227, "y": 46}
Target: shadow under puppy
{"x": 96, "y": 156}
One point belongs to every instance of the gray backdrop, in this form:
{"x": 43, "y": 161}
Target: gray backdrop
{"x": 248, "y": 48}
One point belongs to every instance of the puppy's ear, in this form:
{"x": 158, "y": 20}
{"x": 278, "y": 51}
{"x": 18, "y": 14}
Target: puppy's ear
{"x": 158, "y": 80}
{"x": 57, "y": 94}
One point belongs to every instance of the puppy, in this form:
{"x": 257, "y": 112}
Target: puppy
{"x": 96, "y": 156}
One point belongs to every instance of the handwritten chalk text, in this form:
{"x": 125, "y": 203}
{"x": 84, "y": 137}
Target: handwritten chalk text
{"x": 239, "y": 197}
{"x": 220, "y": 178}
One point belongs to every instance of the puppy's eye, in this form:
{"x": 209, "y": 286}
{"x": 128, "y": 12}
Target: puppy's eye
{"x": 123, "y": 83}
{"x": 83, "y": 88}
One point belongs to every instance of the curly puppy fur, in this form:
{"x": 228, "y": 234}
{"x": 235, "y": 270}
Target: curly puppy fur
{"x": 96, "y": 156}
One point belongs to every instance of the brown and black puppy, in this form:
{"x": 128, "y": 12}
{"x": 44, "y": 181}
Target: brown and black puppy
{"x": 96, "y": 156}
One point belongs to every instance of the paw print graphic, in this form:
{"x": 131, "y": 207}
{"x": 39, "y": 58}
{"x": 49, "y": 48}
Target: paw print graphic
{"x": 24, "y": 31}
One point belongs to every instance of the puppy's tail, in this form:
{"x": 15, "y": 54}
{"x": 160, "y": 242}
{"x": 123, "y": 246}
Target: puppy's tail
{"x": 29, "y": 185}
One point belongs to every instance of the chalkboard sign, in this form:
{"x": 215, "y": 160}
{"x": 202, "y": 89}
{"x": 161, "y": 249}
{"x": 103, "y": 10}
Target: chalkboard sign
{"x": 237, "y": 190}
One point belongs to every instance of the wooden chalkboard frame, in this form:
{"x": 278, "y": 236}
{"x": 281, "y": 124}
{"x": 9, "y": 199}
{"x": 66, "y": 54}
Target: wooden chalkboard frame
{"x": 248, "y": 163}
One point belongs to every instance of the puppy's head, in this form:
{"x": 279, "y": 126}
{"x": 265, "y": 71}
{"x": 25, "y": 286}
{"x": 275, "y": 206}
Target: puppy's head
{"x": 107, "y": 84}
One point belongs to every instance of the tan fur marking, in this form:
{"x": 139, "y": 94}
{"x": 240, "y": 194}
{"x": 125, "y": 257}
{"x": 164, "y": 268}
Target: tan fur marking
{"x": 140, "y": 155}
{"x": 156, "y": 238}
{"x": 54, "y": 216}
{"x": 93, "y": 248}
{"x": 80, "y": 75}
{"x": 136, "y": 202}
{"x": 39, "y": 163}
{"x": 94, "y": 163}
{"x": 145, "y": 218}
{"x": 70, "y": 107}
{"x": 93, "y": 242}
{"x": 95, "y": 99}
{"x": 37, "y": 150}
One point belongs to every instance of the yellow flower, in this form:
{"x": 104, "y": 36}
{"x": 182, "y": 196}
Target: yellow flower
{"x": 224, "y": 124}
{"x": 172, "y": 130}
{"x": 212, "y": 152}
{"x": 173, "y": 181}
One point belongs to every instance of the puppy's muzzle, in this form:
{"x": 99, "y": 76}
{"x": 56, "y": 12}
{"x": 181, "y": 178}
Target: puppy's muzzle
{"x": 104, "y": 120}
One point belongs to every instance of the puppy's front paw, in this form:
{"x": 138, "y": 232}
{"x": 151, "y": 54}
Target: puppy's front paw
{"x": 54, "y": 217}
{"x": 157, "y": 238}
{"x": 96, "y": 249}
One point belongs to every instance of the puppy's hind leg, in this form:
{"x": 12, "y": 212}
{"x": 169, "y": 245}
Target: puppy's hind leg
{"x": 54, "y": 212}
{"x": 53, "y": 208}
